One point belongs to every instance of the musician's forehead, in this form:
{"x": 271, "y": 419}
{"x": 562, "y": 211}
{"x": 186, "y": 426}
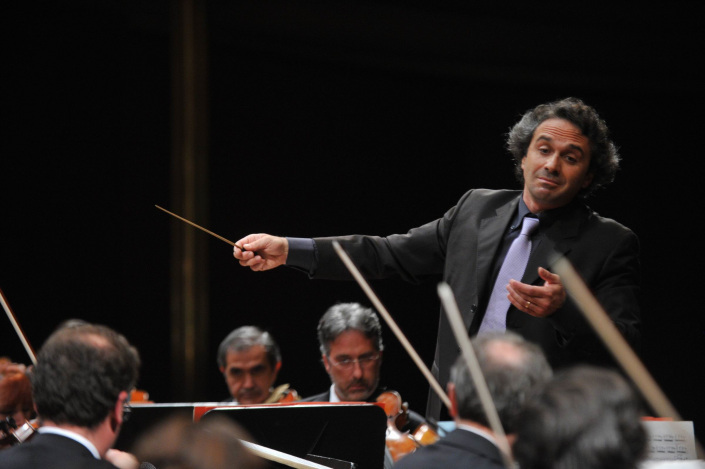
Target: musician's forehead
{"x": 352, "y": 343}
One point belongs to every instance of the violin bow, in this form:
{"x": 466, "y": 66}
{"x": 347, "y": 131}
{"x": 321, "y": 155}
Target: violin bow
{"x": 615, "y": 342}
{"x": 392, "y": 325}
{"x": 18, "y": 329}
{"x": 456, "y": 322}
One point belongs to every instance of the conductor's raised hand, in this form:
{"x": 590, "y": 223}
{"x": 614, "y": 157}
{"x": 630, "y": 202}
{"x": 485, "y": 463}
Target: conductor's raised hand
{"x": 261, "y": 251}
{"x": 539, "y": 301}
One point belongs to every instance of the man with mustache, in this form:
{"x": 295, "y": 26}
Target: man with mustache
{"x": 562, "y": 152}
{"x": 350, "y": 339}
{"x": 249, "y": 360}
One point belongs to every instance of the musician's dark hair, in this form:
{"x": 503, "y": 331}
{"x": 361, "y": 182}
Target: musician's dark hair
{"x": 81, "y": 370}
{"x": 585, "y": 418}
{"x": 604, "y": 157}
{"x": 246, "y": 337}
{"x": 511, "y": 377}
{"x": 343, "y": 317}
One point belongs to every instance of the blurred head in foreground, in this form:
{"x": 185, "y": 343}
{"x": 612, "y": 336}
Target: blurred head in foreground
{"x": 180, "y": 443}
{"x": 585, "y": 418}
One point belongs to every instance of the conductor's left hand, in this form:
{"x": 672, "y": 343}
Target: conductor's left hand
{"x": 539, "y": 301}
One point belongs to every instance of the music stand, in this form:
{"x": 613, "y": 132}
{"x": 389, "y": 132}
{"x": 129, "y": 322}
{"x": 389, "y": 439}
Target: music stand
{"x": 353, "y": 432}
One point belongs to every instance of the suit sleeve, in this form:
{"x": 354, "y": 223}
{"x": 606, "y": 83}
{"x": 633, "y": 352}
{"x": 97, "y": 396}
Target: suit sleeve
{"x": 414, "y": 256}
{"x": 615, "y": 284}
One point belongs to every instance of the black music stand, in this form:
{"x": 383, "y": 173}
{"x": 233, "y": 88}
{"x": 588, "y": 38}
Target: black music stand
{"x": 348, "y": 432}
{"x": 353, "y": 432}
{"x": 144, "y": 416}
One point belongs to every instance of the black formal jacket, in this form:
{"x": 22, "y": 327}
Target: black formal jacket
{"x": 459, "y": 449}
{"x": 50, "y": 451}
{"x": 460, "y": 248}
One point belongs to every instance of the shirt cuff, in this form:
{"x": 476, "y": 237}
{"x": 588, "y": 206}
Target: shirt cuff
{"x": 302, "y": 254}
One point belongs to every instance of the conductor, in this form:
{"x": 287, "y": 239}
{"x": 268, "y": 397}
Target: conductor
{"x": 494, "y": 247}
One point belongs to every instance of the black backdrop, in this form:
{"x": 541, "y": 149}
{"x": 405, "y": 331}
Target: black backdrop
{"x": 329, "y": 118}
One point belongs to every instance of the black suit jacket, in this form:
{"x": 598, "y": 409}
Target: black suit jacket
{"x": 49, "y": 451}
{"x": 460, "y": 247}
{"x": 458, "y": 449}
{"x": 322, "y": 397}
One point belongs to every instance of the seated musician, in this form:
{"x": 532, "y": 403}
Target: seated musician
{"x": 350, "y": 340}
{"x": 250, "y": 360}
{"x": 80, "y": 385}
{"x": 16, "y": 404}
{"x": 514, "y": 369}
{"x": 586, "y": 417}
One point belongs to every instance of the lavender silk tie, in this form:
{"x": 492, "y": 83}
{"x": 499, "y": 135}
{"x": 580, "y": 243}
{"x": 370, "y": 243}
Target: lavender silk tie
{"x": 513, "y": 268}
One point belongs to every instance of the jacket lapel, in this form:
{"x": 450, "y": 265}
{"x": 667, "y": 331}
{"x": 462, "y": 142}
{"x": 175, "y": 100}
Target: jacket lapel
{"x": 489, "y": 238}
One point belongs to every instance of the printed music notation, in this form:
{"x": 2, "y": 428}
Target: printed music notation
{"x": 670, "y": 440}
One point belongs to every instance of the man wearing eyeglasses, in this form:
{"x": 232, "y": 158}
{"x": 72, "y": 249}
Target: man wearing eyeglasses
{"x": 350, "y": 339}
{"x": 81, "y": 385}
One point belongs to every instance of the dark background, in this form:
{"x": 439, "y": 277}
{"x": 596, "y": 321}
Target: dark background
{"x": 329, "y": 118}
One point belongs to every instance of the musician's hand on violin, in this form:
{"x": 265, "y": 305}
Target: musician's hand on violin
{"x": 121, "y": 459}
{"x": 539, "y": 301}
{"x": 261, "y": 251}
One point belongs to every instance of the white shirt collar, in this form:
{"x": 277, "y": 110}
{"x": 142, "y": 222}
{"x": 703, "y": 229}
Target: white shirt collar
{"x": 74, "y": 436}
{"x": 333, "y": 396}
{"x": 479, "y": 432}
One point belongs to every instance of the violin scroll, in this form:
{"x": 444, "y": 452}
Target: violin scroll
{"x": 398, "y": 443}
{"x": 283, "y": 394}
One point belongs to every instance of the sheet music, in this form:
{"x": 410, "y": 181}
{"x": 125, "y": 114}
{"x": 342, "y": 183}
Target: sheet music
{"x": 670, "y": 440}
{"x": 690, "y": 464}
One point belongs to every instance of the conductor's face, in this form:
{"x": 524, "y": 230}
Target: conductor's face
{"x": 556, "y": 165}
{"x": 353, "y": 366}
{"x": 249, "y": 375}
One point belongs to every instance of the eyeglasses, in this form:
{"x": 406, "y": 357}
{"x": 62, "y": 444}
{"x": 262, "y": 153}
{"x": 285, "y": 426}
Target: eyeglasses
{"x": 365, "y": 361}
{"x": 126, "y": 409}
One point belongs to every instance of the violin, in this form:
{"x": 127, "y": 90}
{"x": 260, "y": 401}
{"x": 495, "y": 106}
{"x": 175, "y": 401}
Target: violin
{"x": 398, "y": 443}
{"x": 11, "y": 434}
{"x": 283, "y": 394}
{"x": 139, "y": 395}
{"x": 16, "y": 404}
{"x": 424, "y": 434}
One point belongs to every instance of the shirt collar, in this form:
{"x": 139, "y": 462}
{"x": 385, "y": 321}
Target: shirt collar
{"x": 522, "y": 211}
{"x": 479, "y": 432}
{"x": 546, "y": 218}
{"x": 333, "y": 396}
{"x": 72, "y": 435}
